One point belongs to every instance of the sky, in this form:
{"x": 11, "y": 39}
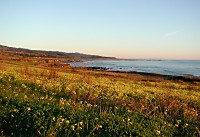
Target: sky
{"x": 137, "y": 29}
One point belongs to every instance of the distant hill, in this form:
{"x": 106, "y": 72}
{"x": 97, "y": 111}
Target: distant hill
{"x": 22, "y": 52}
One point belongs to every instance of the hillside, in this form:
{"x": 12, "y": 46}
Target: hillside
{"x": 21, "y": 53}
{"x": 46, "y": 101}
{"x": 43, "y": 96}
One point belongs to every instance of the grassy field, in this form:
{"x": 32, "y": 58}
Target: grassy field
{"x": 39, "y": 101}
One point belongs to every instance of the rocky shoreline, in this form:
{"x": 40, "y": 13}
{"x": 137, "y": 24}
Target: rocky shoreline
{"x": 150, "y": 75}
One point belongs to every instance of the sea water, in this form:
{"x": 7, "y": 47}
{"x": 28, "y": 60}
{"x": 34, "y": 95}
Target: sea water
{"x": 170, "y": 67}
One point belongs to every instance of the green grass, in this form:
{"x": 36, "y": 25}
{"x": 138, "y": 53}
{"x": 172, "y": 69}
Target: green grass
{"x": 40, "y": 102}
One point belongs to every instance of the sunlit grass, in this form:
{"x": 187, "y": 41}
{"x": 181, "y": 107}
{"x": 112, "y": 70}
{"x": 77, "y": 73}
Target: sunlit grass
{"x": 40, "y": 101}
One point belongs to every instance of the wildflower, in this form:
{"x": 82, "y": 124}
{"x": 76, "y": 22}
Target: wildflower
{"x": 157, "y": 132}
{"x": 96, "y": 118}
{"x": 176, "y": 125}
{"x": 37, "y": 81}
{"x": 169, "y": 125}
{"x": 50, "y": 98}
{"x": 53, "y": 118}
{"x": 16, "y": 110}
{"x": 80, "y": 123}
{"x": 28, "y": 108}
{"x": 62, "y": 102}
{"x": 186, "y": 125}
{"x": 99, "y": 126}
{"x": 23, "y": 85}
{"x": 62, "y": 119}
{"x": 129, "y": 111}
{"x": 67, "y": 121}
{"x": 74, "y": 92}
{"x": 67, "y": 104}
{"x": 89, "y": 105}
{"x": 46, "y": 96}
{"x": 178, "y": 121}
{"x": 72, "y": 127}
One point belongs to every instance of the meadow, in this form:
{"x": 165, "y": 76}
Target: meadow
{"x": 46, "y": 101}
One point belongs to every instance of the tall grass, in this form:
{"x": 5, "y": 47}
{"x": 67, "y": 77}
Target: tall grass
{"x": 42, "y": 102}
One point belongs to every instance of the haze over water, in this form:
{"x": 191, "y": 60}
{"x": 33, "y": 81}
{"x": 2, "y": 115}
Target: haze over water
{"x": 171, "y": 67}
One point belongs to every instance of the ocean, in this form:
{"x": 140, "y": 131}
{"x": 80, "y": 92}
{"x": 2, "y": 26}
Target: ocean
{"x": 169, "y": 67}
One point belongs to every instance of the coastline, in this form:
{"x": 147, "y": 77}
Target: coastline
{"x": 97, "y": 94}
{"x": 150, "y": 75}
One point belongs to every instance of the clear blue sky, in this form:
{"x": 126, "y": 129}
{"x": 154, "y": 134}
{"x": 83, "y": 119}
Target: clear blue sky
{"x": 164, "y": 29}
